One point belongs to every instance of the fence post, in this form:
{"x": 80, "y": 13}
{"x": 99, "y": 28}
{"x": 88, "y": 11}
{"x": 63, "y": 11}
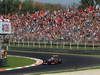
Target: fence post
{"x": 77, "y": 45}
{"x": 39, "y": 43}
{"x": 45, "y": 44}
{"x": 70, "y": 45}
{"x": 33, "y": 44}
{"x": 28, "y": 43}
{"x": 63, "y": 45}
{"x": 93, "y": 45}
{"x": 85, "y": 45}
{"x": 51, "y": 43}
{"x": 7, "y": 48}
{"x": 23, "y": 42}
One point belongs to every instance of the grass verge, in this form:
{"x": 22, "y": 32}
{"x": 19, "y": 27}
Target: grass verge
{"x": 14, "y": 61}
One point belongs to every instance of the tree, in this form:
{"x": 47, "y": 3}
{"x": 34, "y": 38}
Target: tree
{"x": 86, "y": 3}
{"x": 8, "y": 6}
{"x": 27, "y": 6}
{"x": 19, "y": 6}
{"x": 97, "y": 2}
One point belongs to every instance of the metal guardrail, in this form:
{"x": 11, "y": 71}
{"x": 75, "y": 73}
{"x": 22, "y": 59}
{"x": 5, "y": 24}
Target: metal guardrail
{"x": 53, "y": 44}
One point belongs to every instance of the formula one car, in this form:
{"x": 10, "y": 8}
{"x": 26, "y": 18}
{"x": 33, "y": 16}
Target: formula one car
{"x": 55, "y": 59}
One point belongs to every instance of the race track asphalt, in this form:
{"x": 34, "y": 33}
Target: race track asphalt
{"x": 68, "y": 62}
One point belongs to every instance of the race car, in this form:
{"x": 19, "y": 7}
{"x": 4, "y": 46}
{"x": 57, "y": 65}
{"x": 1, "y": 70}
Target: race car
{"x": 55, "y": 59}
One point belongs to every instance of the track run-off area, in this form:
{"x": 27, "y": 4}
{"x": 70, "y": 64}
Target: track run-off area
{"x": 19, "y": 62}
{"x": 68, "y": 62}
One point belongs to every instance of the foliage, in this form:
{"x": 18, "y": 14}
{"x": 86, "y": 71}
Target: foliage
{"x": 8, "y": 6}
{"x": 27, "y": 6}
{"x": 86, "y": 3}
{"x": 17, "y": 6}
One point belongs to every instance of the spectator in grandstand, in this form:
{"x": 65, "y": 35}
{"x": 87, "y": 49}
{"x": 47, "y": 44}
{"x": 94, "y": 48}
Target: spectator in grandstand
{"x": 71, "y": 25}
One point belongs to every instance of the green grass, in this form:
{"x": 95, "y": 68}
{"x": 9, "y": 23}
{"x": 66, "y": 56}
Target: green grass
{"x": 13, "y": 61}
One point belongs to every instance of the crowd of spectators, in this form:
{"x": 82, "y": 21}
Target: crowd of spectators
{"x": 70, "y": 25}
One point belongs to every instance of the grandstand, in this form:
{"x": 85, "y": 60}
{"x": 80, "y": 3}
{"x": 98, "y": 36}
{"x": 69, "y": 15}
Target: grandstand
{"x": 78, "y": 26}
